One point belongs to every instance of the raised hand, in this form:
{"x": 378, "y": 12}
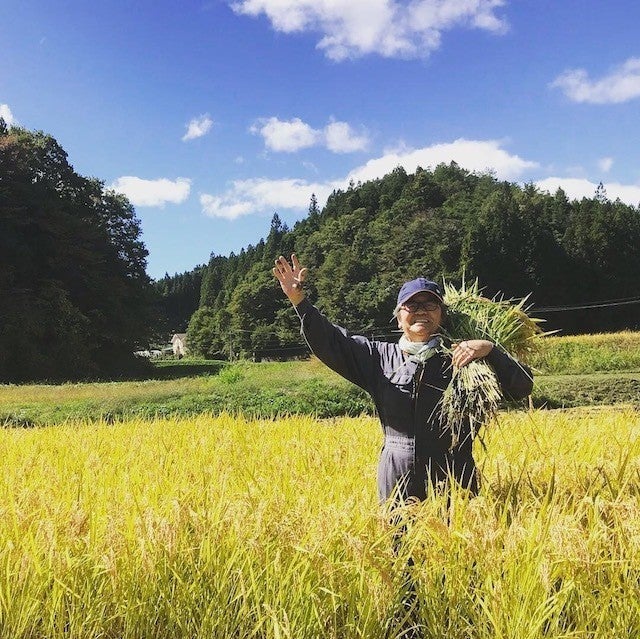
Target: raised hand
{"x": 291, "y": 276}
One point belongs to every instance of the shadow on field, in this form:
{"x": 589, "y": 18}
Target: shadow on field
{"x": 177, "y": 370}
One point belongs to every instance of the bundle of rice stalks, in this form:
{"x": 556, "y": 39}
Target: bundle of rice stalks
{"x": 473, "y": 396}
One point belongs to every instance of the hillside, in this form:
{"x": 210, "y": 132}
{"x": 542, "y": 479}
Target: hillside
{"x": 446, "y": 223}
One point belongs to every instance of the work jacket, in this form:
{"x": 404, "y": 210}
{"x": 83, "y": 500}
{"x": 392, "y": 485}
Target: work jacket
{"x": 417, "y": 451}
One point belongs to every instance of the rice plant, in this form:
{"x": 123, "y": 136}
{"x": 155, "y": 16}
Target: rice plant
{"x": 473, "y": 397}
{"x": 502, "y": 321}
{"x": 228, "y": 527}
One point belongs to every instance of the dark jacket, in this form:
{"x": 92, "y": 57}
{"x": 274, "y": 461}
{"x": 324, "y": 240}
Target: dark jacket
{"x": 417, "y": 449}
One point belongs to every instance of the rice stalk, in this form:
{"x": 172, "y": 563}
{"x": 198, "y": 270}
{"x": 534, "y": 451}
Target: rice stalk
{"x": 504, "y": 322}
{"x": 471, "y": 399}
{"x": 473, "y": 396}
{"x": 225, "y": 527}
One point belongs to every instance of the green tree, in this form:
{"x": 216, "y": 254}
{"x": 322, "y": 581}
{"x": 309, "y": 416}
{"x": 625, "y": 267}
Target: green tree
{"x": 179, "y": 298}
{"x": 73, "y": 283}
{"x": 438, "y": 223}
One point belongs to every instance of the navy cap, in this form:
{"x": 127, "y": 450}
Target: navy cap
{"x": 419, "y": 285}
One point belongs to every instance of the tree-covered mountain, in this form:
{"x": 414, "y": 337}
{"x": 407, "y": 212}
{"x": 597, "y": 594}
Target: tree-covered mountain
{"x": 445, "y": 223}
{"x": 75, "y": 299}
{"x": 178, "y": 299}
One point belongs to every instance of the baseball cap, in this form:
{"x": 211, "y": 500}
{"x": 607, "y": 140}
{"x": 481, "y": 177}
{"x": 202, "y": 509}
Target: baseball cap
{"x": 419, "y": 285}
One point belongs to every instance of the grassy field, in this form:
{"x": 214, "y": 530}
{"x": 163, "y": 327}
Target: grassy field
{"x": 164, "y": 508}
{"x": 584, "y": 354}
{"x": 570, "y": 371}
{"x": 225, "y": 527}
{"x": 265, "y": 389}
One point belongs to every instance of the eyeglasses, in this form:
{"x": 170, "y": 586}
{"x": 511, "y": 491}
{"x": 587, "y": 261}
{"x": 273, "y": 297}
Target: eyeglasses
{"x": 413, "y": 307}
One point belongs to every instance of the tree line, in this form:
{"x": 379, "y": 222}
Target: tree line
{"x": 446, "y": 223}
{"x": 178, "y": 297}
{"x": 75, "y": 298}
{"x": 76, "y": 301}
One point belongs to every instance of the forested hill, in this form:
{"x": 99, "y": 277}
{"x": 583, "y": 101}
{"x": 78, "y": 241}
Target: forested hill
{"x": 178, "y": 299}
{"x": 75, "y": 298}
{"x": 444, "y": 223}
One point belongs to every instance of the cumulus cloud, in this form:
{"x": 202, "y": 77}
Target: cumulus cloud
{"x": 263, "y": 195}
{"x": 577, "y": 188}
{"x": 340, "y": 138}
{"x": 286, "y": 135}
{"x": 620, "y": 85}
{"x": 605, "y": 164}
{"x": 474, "y": 155}
{"x": 390, "y": 28}
{"x": 198, "y": 127}
{"x": 292, "y": 135}
{"x": 6, "y": 115}
{"x": 153, "y": 192}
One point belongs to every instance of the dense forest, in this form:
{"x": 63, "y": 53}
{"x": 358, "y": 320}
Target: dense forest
{"x": 445, "y": 223}
{"x": 178, "y": 297}
{"x": 75, "y": 299}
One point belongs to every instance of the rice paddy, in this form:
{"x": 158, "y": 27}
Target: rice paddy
{"x": 230, "y": 527}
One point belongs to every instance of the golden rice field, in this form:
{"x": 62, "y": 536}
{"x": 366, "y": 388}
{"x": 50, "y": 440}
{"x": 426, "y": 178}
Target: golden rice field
{"x": 221, "y": 527}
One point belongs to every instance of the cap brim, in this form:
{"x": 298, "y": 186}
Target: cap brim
{"x": 424, "y": 290}
{"x": 406, "y": 299}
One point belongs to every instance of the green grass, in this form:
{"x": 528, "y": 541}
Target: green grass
{"x": 571, "y": 371}
{"x": 564, "y": 391}
{"x": 585, "y": 354}
{"x": 265, "y": 389}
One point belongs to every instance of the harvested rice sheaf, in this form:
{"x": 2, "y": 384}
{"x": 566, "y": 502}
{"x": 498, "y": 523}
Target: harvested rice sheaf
{"x": 474, "y": 395}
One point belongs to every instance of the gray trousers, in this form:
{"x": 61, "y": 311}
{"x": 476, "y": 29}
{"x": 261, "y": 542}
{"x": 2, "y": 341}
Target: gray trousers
{"x": 405, "y": 473}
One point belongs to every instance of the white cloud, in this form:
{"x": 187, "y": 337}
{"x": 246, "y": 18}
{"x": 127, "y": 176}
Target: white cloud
{"x": 605, "y": 164}
{"x": 474, "y": 155}
{"x": 6, "y": 115}
{"x": 262, "y": 195}
{"x": 153, "y": 192}
{"x": 390, "y": 28}
{"x": 286, "y": 135}
{"x": 198, "y": 127}
{"x": 621, "y": 85}
{"x": 340, "y": 138}
{"x": 292, "y": 135}
{"x": 310, "y": 166}
{"x": 577, "y": 188}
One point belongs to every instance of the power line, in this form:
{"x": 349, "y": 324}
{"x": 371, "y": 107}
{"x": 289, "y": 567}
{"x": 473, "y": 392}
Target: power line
{"x": 373, "y": 331}
{"x": 605, "y": 304}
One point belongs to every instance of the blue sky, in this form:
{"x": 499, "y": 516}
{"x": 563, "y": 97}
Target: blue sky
{"x": 212, "y": 115}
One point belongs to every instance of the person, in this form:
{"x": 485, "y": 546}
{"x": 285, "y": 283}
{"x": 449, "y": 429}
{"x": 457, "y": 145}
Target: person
{"x": 406, "y": 381}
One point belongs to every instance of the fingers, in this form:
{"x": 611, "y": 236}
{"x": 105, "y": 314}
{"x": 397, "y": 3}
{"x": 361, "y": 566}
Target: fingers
{"x": 283, "y": 266}
{"x": 463, "y": 353}
{"x": 467, "y": 351}
{"x": 300, "y": 270}
{"x": 291, "y": 279}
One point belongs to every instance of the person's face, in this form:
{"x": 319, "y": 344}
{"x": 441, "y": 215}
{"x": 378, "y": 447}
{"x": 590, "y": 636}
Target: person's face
{"x": 418, "y": 324}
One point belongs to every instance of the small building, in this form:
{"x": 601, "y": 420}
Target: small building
{"x": 179, "y": 344}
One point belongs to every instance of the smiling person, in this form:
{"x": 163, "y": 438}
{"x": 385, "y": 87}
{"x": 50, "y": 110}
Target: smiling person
{"x": 406, "y": 381}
